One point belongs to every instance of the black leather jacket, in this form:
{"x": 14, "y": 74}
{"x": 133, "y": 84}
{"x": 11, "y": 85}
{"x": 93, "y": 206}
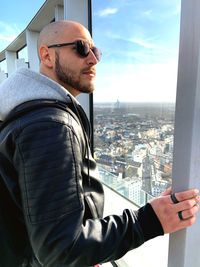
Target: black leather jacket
{"x": 51, "y": 201}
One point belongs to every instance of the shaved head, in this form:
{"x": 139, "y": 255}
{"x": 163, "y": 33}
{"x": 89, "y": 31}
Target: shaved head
{"x": 64, "y": 64}
{"x": 53, "y": 32}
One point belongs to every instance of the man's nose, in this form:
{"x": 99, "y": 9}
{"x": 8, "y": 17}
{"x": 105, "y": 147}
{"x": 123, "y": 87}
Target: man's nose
{"x": 91, "y": 58}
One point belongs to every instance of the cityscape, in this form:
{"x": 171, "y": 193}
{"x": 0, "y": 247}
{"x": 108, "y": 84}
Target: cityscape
{"x": 133, "y": 146}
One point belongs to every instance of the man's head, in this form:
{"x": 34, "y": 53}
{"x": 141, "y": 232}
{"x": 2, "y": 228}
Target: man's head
{"x": 67, "y": 56}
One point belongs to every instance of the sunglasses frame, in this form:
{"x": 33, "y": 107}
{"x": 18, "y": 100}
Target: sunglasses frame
{"x": 75, "y": 43}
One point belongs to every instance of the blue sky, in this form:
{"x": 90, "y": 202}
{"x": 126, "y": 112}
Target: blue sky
{"x": 15, "y": 16}
{"x": 139, "y": 40}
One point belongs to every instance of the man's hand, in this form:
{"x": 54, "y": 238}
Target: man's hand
{"x": 167, "y": 211}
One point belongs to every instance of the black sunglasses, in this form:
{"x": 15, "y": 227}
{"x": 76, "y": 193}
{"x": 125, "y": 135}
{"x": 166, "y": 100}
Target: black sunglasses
{"x": 82, "y": 48}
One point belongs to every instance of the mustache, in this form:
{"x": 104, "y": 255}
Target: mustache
{"x": 88, "y": 69}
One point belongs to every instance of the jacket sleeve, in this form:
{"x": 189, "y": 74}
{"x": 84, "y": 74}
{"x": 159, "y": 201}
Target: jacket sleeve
{"x": 48, "y": 159}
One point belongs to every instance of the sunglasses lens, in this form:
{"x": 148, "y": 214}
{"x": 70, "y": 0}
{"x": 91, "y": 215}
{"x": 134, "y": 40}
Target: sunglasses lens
{"x": 97, "y": 53}
{"x": 83, "y": 48}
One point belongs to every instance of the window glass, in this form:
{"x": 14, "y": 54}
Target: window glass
{"x": 134, "y": 98}
{"x": 22, "y": 57}
{"x": 3, "y": 70}
{"x": 23, "y": 53}
{"x": 3, "y": 66}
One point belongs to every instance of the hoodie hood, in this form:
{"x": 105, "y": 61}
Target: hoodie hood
{"x": 25, "y": 85}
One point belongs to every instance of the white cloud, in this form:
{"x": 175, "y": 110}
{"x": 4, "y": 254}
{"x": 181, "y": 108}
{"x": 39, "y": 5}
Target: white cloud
{"x": 7, "y": 34}
{"x": 149, "y": 43}
{"x": 142, "y": 43}
{"x": 147, "y": 13}
{"x": 134, "y": 39}
{"x": 107, "y": 11}
{"x": 7, "y": 38}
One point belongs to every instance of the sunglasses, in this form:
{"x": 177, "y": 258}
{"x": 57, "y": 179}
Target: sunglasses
{"x": 82, "y": 48}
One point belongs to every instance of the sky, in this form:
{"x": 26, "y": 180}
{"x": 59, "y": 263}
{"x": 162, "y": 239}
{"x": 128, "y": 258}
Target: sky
{"x": 139, "y": 40}
{"x": 15, "y": 16}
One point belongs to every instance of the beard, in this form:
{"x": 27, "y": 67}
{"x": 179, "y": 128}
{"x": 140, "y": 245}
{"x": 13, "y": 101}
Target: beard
{"x": 69, "y": 77}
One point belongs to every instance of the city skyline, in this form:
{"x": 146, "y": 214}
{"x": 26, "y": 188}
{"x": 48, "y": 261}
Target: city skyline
{"x": 133, "y": 146}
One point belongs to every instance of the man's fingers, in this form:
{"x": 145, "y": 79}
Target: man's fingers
{"x": 177, "y": 216}
{"x": 186, "y": 204}
{"x": 190, "y": 212}
{"x": 181, "y": 196}
{"x": 186, "y": 223}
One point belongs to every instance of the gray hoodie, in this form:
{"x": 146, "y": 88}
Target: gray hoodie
{"x": 25, "y": 85}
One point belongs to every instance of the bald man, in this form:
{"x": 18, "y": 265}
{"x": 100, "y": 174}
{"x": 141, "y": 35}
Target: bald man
{"x": 76, "y": 76}
{"x": 51, "y": 199}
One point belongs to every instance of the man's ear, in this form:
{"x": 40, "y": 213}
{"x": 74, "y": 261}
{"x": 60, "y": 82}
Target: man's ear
{"x": 46, "y": 56}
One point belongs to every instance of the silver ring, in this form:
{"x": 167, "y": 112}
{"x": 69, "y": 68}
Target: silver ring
{"x": 180, "y": 215}
{"x": 174, "y": 199}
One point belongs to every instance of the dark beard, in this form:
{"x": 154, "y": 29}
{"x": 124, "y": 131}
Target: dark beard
{"x": 68, "y": 77}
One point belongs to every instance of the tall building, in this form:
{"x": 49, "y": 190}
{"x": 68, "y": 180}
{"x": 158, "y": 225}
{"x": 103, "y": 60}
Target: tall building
{"x": 146, "y": 175}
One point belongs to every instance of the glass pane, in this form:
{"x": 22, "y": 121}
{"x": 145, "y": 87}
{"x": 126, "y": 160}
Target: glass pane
{"x": 3, "y": 65}
{"x": 23, "y": 53}
{"x": 134, "y": 99}
{"x": 3, "y": 70}
{"x": 22, "y": 58}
